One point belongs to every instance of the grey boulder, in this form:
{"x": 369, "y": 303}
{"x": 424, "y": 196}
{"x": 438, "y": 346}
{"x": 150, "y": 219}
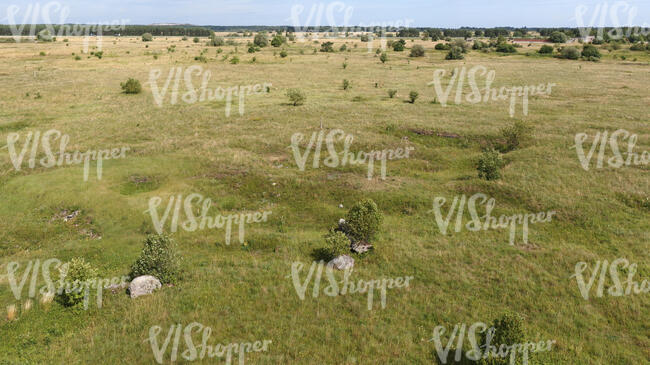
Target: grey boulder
{"x": 342, "y": 262}
{"x": 143, "y": 285}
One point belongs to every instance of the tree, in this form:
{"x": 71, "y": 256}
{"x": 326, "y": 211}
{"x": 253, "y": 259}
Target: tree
{"x": 260, "y": 40}
{"x": 327, "y": 47}
{"x": 546, "y": 49}
{"x": 558, "y": 37}
{"x": 399, "y": 45}
{"x": 417, "y": 51}
{"x": 296, "y": 96}
{"x": 590, "y": 51}
{"x": 278, "y": 40}
{"x": 456, "y": 53}
{"x": 383, "y": 58}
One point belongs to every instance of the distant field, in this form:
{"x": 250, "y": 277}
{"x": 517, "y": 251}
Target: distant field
{"x": 245, "y": 163}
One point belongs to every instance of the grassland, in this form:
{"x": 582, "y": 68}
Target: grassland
{"x": 245, "y": 163}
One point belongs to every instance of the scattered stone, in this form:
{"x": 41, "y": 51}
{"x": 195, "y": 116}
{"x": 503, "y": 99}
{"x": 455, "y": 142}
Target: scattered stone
{"x": 361, "y": 247}
{"x": 341, "y": 206}
{"x": 71, "y": 216}
{"x": 143, "y": 285}
{"x": 342, "y": 262}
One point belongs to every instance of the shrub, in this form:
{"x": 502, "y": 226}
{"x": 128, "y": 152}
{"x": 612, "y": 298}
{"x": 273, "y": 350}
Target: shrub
{"x": 184, "y": 38}
{"x": 346, "y": 84}
{"x": 384, "y": 57}
{"x": 77, "y": 58}
{"x": 343, "y": 48}
{"x": 42, "y": 53}
{"x": 278, "y": 40}
{"x": 99, "y": 54}
{"x": 570, "y": 53}
{"x": 196, "y": 40}
{"x": 159, "y": 258}
{"x": 362, "y": 221}
{"x": 413, "y": 95}
{"x": 460, "y": 44}
{"x": 506, "y": 48}
{"x": 131, "y": 86}
{"x": 479, "y": 45}
{"x": 392, "y": 93}
{"x": 260, "y": 40}
{"x": 417, "y": 51}
{"x": 558, "y": 37}
{"x": 44, "y": 36}
{"x": 589, "y": 51}
{"x": 364, "y": 38}
{"x": 508, "y": 330}
{"x": 345, "y": 65}
{"x": 456, "y": 53}
{"x": 399, "y": 45}
{"x": 489, "y": 164}
{"x": 516, "y": 135}
{"x": 638, "y": 47}
{"x": 296, "y": 96}
{"x": 337, "y": 243}
{"x": 546, "y": 49}
{"x": 283, "y": 53}
{"x": 443, "y": 46}
{"x": 234, "y": 60}
{"x": 216, "y": 41}
{"x": 147, "y": 37}
{"x": 76, "y": 275}
{"x": 327, "y": 47}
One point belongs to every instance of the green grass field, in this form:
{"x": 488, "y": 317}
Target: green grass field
{"x": 245, "y": 163}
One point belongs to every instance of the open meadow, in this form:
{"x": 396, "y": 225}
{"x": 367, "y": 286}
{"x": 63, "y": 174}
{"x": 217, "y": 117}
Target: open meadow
{"x": 241, "y": 157}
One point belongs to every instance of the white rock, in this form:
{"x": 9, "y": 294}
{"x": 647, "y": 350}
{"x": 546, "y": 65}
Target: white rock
{"x": 342, "y": 262}
{"x": 143, "y": 285}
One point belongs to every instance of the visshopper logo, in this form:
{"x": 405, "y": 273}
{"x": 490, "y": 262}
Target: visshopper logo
{"x": 191, "y": 96}
{"x": 193, "y": 223}
{"x": 36, "y": 16}
{"x": 601, "y": 272}
{"x": 478, "y": 95}
{"x": 486, "y": 221}
{"x": 346, "y": 286}
{"x": 50, "y": 159}
{"x": 348, "y": 158}
{"x": 617, "y": 160}
{"x": 199, "y": 352}
{"x": 620, "y": 14}
{"x": 486, "y": 349}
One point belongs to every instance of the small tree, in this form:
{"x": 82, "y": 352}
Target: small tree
{"x": 442, "y": 46}
{"x": 327, "y": 47}
{"x": 546, "y": 49}
{"x": 76, "y": 274}
{"x": 558, "y": 37}
{"x": 384, "y": 57}
{"x": 346, "y": 84}
{"x": 392, "y": 93}
{"x": 362, "y": 221}
{"x": 456, "y": 53}
{"x": 399, "y": 45}
{"x": 570, "y": 53}
{"x": 417, "y": 51}
{"x": 590, "y": 51}
{"x": 278, "y": 40}
{"x": 413, "y": 95}
{"x": 296, "y": 96}
{"x": 337, "y": 243}
{"x": 260, "y": 40}
{"x": 283, "y": 53}
{"x": 44, "y": 36}
{"x": 147, "y": 37}
{"x": 131, "y": 86}
{"x": 489, "y": 165}
{"x": 516, "y": 135}
{"x": 159, "y": 258}
{"x": 196, "y": 40}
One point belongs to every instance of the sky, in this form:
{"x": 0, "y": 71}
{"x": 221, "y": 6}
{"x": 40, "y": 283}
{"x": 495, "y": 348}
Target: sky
{"x": 414, "y": 13}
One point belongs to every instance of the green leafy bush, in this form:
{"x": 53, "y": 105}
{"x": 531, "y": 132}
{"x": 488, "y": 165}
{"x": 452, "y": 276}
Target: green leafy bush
{"x": 76, "y": 275}
{"x": 639, "y": 46}
{"x": 506, "y": 48}
{"x": 296, "y": 96}
{"x": 196, "y": 40}
{"x": 590, "y": 51}
{"x": 260, "y": 40}
{"x": 558, "y": 37}
{"x": 489, "y": 165}
{"x": 337, "y": 243}
{"x": 516, "y": 135}
{"x": 278, "y": 40}
{"x": 399, "y": 45}
{"x": 570, "y": 53}
{"x": 413, "y": 96}
{"x": 392, "y": 93}
{"x": 216, "y": 41}
{"x": 384, "y": 57}
{"x": 546, "y": 49}
{"x": 343, "y": 48}
{"x": 131, "y": 86}
{"x": 147, "y": 37}
{"x": 442, "y": 46}
{"x": 508, "y": 330}
{"x": 417, "y": 51}
{"x": 234, "y": 60}
{"x": 327, "y": 47}
{"x": 283, "y": 53}
{"x": 362, "y": 221}
{"x": 44, "y": 36}
{"x": 456, "y": 53}
{"x": 346, "y": 84}
{"x": 159, "y": 258}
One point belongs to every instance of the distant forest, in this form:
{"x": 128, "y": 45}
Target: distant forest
{"x": 205, "y": 31}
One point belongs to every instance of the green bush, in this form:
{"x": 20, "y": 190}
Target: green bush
{"x": 147, "y": 37}
{"x": 478, "y": 45}
{"x": 346, "y": 84}
{"x": 296, "y": 96}
{"x": 131, "y": 86}
{"x": 443, "y": 47}
{"x": 570, "y": 53}
{"x": 546, "y": 49}
{"x": 343, "y": 48}
{"x": 489, "y": 165}
{"x": 99, "y": 54}
{"x": 506, "y": 48}
{"x": 558, "y": 37}
{"x": 278, "y": 40}
{"x": 516, "y": 135}
{"x": 42, "y": 53}
{"x": 283, "y": 53}
{"x": 384, "y": 57}
{"x": 590, "y": 51}
{"x": 456, "y": 53}
{"x": 460, "y": 44}
{"x": 417, "y": 51}
{"x": 362, "y": 221}
{"x": 508, "y": 330}
{"x": 260, "y": 40}
{"x": 234, "y": 60}
{"x": 364, "y": 38}
{"x": 216, "y": 41}
{"x": 196, "y": 40}
{"x": 77, "y": 58}
{"x": 44, "y": 36}
{"x": 413, "y": 96}
{"x": 76, "y": 273}
{"x": 327, "y": 47}
{"x": 639, "y": 46}
{"x": 399, "y": 45}
{"x": 159, "y": 258}
{"x": 392, "y": 93}
{"x": 337, "y": 243}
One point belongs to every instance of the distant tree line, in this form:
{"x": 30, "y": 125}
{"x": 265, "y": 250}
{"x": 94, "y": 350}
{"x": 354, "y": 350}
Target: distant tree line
{"x": 124, "y": 30}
